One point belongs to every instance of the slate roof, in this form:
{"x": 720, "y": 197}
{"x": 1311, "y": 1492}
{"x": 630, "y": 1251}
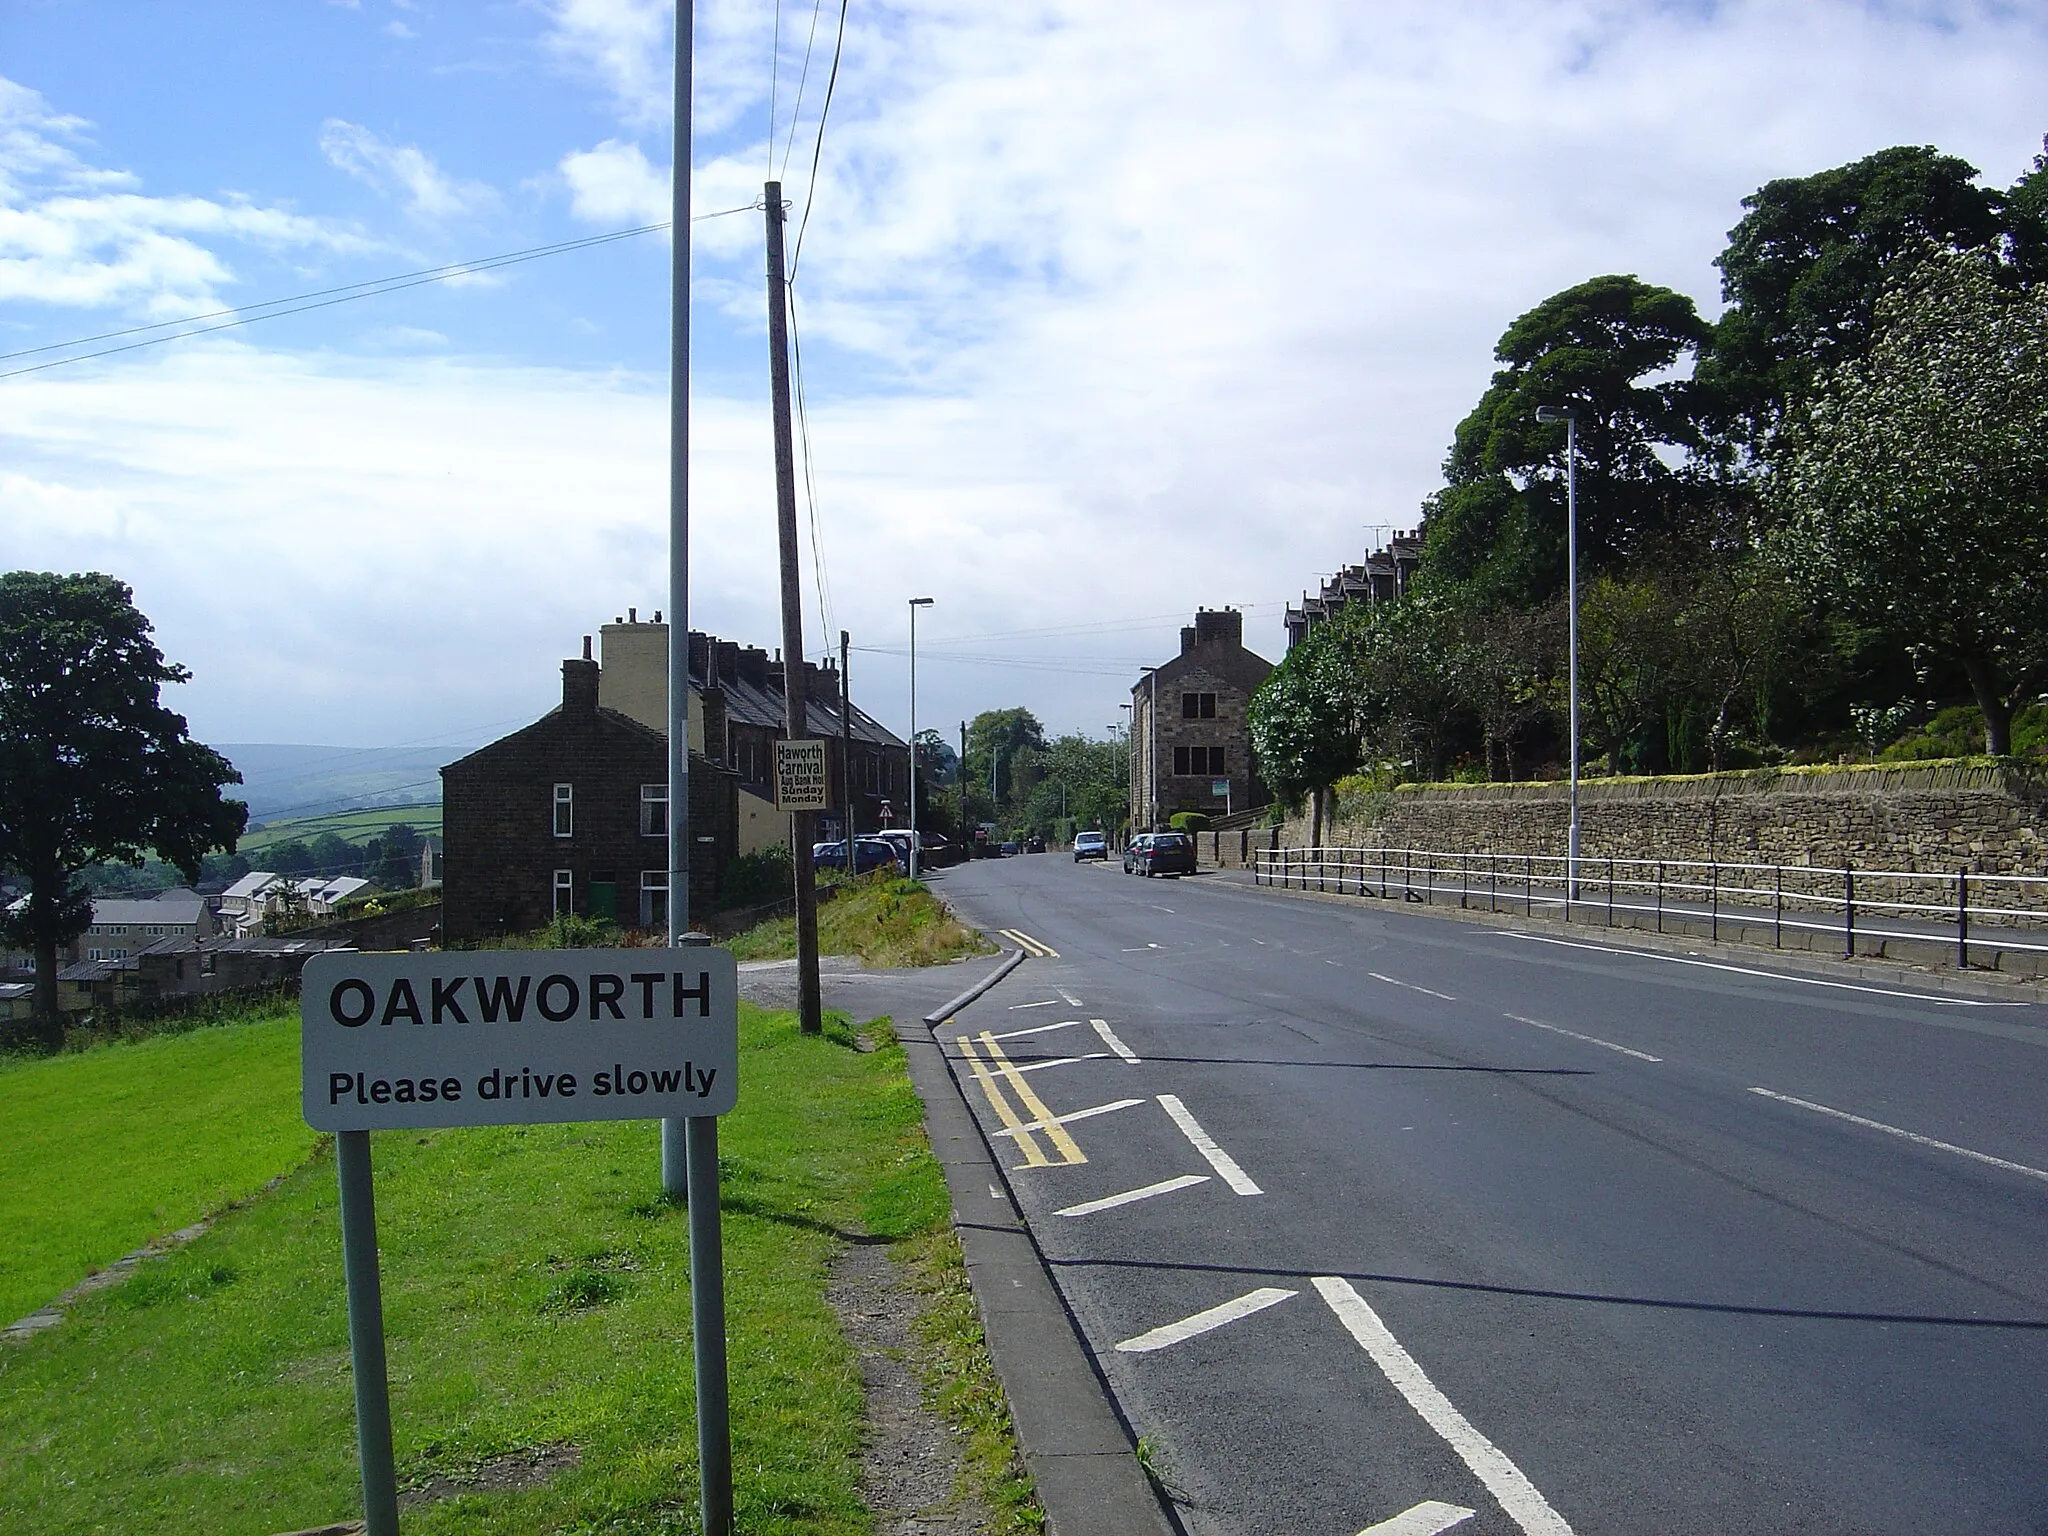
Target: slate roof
{"x": 183, "y": 908}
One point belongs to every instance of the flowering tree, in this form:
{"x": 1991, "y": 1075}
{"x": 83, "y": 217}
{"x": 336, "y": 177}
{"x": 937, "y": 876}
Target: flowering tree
{"x": 1914, "y": 492}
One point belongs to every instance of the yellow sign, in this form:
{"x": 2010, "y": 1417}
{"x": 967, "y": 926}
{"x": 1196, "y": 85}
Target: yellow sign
{"x": 800, "y": 776}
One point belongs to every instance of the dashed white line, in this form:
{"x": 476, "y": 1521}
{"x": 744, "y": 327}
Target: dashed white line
{"x": 1109, "y": 1039}
{"x": 1070, "y": 1117}
{"x": 1072, "y": 1001}
{"x": 1046, "y": 1004}
{"x": 1204, "y": 1143}
{"x": 1589, "y": 1039}
{"x": 1133, "y": 1196}
{"x": 1430, "y": 1518}
{"x": 1745, "y": 970}
{"x": 1411, "y": 986}
{"x": 1037, "y": 1029}
{"x": 1206, "y": 1322}
{"x": 1504, "y": 1480}
{"x": 1905, "y": 1135}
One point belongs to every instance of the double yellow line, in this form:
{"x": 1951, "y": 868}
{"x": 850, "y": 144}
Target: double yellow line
{"x": 1034, "y": 947}
{"x": 991, "y": 1073}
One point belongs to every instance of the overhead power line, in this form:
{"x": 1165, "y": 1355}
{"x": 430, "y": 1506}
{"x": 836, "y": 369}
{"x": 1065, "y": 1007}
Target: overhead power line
{"x": 323, "y": 298}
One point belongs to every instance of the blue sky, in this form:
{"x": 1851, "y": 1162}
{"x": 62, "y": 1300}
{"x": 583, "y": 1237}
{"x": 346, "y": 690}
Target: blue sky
{"x": 1109, "y": 311}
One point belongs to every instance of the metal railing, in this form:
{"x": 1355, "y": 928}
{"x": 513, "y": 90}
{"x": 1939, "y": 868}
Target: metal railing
{"x": 1864, "y": 908}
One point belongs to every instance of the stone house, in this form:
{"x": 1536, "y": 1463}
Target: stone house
{"x": 570, "y": 816}
{"x": 737, "y": 715}
{"x": 122, "y": 926}
{"x": 1199, "y": 737}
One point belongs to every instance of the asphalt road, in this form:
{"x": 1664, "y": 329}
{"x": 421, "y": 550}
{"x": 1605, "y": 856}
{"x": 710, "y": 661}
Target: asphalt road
{"x": 1377, "y": 1217}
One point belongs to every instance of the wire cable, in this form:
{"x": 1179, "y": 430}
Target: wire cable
{"x": 796, "y": 112}
{"x": 803, "y": 416}
{"x": 818, "y": 145}
{"x": 327, "y": 298}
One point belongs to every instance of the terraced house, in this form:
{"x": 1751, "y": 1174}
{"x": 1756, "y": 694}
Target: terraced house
{"x": 1191, "y": 742}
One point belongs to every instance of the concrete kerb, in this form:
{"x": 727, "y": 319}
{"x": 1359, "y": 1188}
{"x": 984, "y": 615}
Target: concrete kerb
{"x": 1077, "y": 1448}
{"x": 1791, "y": 961}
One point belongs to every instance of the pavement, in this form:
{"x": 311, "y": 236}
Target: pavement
{"x": 1368, "y": 1222}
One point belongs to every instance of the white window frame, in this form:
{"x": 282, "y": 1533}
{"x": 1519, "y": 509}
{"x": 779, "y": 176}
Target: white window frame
{"x": 565, "y": 811}
{"x": 654, "y": 810}
{"x": 653, "y": 881}
{"x": 564, "y": 894}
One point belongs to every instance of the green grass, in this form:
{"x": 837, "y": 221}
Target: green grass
{"x": 108, "y": 1148}
{"x": 350, "y": 826}
{"x": 887, "y": 921}
{"x": 536, "y": 1294}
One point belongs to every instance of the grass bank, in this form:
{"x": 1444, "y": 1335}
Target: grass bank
{"x": 109, "y": 1147}
{"x": 886, "y": 920}
{"x": 537, "y": 1306}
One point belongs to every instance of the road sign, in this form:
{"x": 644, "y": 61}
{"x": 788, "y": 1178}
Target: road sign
{"x": 517, "y": 1037}
{"x": 1220, "y": 788}
{"x": 512, "y": 1037}
{"x": 800, "y": 776}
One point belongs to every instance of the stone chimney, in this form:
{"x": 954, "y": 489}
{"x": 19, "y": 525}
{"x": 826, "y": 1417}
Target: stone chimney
{"x": 579, "y": 686}
{"x": 1213, "y": 626}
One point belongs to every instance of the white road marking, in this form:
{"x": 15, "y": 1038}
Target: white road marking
{"x": 1206, "y": 1322}
{"x": 1055, "y": 1061}
{"x": 1745, "y": 970}
{"x": 1589, "y": 1039}
{"x": 1503, "y": 1479}
{"x": 1072, "y": 1001}
{"x": 1912, "y": 1136}
{"x": 1204, "y": 1143}
{"x": 1157, "y": 908}
{"x": 1140, "y": 949}
{"x": 1376, "y": 976}
{"x": 1109, "y": 1039}
{"x": 1078, "y": 1114}
{"x": 1427, "y": 1519}
{"x": 1258, "y": 941}
{"x": 1039, "y": 1029}
{"x": 1046, "y": 1004}
{"x": 1133, "y": 1196}
{"x": 994, "y": 1193}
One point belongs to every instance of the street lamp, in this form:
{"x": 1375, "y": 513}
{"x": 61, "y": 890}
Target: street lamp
{"x": 915, "y": 604}
{"x": 1151, "y": 747}
{"x": 1570, "y": 417}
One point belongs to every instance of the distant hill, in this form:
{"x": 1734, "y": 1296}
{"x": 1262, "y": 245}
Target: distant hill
{"x": 281, "y": 780}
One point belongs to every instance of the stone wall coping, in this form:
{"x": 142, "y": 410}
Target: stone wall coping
{"x": 1984, "y": 775}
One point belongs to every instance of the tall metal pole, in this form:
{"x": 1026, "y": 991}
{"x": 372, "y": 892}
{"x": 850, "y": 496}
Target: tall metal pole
{"x": 967, "y": 850}
{"x": 915, "y": 604}
{"x": 674, "y": 1163}
{"x": 846, "y": 744}
{"x": 796, "y": 713}
{"x": 707, "y": 1329}
{"x": 1571, "y": 546}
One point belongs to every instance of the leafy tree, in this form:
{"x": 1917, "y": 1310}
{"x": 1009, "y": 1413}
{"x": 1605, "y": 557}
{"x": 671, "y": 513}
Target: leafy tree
{"x": 93, "y": 767}
{"x": 1084, "y": 782}
{"x": 395, "y": 857}
{"x": 2026, "y": 220}
{"x": 1304, "y": 722}
{"x": 1010, "y": 740}
{"x": 1803, "y": 270}
{"x": 1915, "y": 490}
{"x": 292, "y": 857}
{"x": 1504, "y": 664}
{"x": 333, "y": 855}
{"x": 1608, "y": 347}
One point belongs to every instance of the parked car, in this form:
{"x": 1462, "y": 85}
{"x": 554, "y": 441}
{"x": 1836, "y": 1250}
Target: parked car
{"x": 1034, "y": 844}
{"x": 1009, "y": 850}
{"x": 869, "y": 853}
{"x": 1160, "y": 853}
{"x": 1091, "y": 845}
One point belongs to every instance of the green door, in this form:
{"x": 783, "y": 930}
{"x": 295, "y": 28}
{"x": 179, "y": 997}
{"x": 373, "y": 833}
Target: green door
{"x": 604, "y": 900}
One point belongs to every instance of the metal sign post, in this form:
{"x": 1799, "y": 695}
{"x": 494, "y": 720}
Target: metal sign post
{"x": 521, "y": 1037}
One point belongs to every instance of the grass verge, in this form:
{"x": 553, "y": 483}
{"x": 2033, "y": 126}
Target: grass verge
{"x": 536, "y": 1297}
{"x": 886, "y": 920}
{"x": 109, "y": 1147}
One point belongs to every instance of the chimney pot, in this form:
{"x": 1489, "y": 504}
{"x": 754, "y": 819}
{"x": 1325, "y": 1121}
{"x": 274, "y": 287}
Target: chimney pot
{"x": 657, "y": 615}
{"x": 632, "y": 615}
{"x": 586, "y": 647}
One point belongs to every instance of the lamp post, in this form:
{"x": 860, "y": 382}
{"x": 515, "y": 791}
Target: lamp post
{"x": 1570, "y": 417}
{"x": 915, "y": 604}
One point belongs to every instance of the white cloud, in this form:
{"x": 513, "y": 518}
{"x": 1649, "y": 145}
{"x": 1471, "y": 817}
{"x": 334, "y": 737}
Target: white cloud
{"x": 403, "y": 170}
{"x": 625, "y": 45}
{"x": 399, "y": 29}
{"x": 613, "y": 184}
{"x": 76, "y": 234}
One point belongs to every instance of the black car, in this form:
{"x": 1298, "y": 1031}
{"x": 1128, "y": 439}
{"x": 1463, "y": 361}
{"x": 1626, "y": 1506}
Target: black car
{"x": 1160, "y": 853}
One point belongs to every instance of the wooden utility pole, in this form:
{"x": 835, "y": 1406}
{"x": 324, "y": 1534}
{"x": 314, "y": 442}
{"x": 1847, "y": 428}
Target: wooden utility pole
{"x": 796, "y": 709}
{"x": 966, "y": 834}
{"x": 846, "y": 746}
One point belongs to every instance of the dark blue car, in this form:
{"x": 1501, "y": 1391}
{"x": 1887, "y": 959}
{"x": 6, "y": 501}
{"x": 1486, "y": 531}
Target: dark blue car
{"x": 869, "y": 853}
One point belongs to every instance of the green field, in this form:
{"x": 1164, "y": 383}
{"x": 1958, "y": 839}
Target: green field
{"x": 350, "y": 826}
{"x": 107, "y": 1149}
{"x": 536, "y": 1297}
